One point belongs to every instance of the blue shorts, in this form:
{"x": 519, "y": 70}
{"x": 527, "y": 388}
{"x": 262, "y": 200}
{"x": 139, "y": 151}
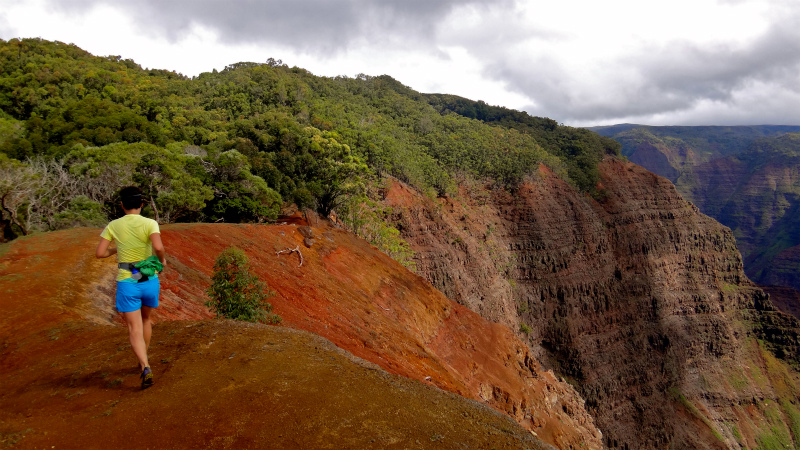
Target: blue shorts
{"x": 131, "y": 296}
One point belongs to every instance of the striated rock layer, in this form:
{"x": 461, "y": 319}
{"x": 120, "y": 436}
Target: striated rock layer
{"x": 637, "y": 298}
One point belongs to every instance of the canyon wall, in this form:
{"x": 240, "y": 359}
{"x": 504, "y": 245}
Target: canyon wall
{"x": 746, "y": 177}
{"x": 757, "y": 194}
{"x": 635, "y": 297}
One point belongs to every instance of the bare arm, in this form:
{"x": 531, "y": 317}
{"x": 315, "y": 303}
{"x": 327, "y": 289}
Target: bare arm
{"x": 158, "y": 248}
{"x": 103, "y": 249}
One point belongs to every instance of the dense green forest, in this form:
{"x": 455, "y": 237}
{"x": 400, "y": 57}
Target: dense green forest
{"x": 238, "y": 144}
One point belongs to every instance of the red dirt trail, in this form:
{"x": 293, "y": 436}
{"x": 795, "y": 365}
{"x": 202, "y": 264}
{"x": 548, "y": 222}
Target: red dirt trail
{"x": 70, "y": 379}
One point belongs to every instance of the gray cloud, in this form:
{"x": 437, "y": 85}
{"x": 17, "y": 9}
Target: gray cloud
{"x": 684, "y": 82}
{"x": 718, "y": 71}
{"x": 313, "y": 26}
{"x": 5, "y": 26}
{"x": 679, "y": 80}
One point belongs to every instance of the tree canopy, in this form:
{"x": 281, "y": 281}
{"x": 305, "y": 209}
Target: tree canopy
{"x": 235, "y": 144}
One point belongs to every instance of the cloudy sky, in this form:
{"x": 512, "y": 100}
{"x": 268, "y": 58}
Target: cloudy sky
{"x": 580, "y": 62}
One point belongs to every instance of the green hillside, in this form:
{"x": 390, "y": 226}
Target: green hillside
{"x": 238, "y": 144}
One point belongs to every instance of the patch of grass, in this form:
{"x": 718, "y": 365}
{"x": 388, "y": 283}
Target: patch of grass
{"x": 730, "y": 289}
{"x": 13, "y": 277}
{"x": 737, "y": 378}
{"x": 53, "y": 334}
{"x": 736, "y": 434}
{"x": 794, "y": 419}
{"x": 778, "y": 436}
{"x": 11, "y": 439}
{"x": 757, "y": 375}
{"x": 689, "y": 406}
{"x": 524, "y": 328}
{"x": 778, "y": 375}
{"x": 114, "y": 383}
{"x": 107, "y": 412}
{"x": 74, "y": 394}
{"x": 771, "y": 441}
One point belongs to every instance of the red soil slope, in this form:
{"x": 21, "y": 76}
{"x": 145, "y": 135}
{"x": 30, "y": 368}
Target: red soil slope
{"x": 65, "y": 355}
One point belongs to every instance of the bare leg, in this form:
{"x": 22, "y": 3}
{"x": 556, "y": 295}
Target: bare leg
{"x": 135, "y": 333}
{"x": 147, "y": 325}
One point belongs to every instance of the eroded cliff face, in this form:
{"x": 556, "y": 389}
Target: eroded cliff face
{"x": 784, "y": 270}
{"x": 637, "y": 298}
{"x": 759, "y": 198}
{"x": 662, "y": 159}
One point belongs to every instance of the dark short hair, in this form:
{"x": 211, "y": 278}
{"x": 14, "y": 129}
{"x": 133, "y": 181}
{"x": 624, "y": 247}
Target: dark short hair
{"x": 131, "y": 197}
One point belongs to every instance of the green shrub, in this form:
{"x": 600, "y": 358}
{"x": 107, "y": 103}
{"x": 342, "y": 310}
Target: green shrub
{"x": 366, "y": 219}
{"x": 236, "y": 293}
{"x": 81, "y": 212}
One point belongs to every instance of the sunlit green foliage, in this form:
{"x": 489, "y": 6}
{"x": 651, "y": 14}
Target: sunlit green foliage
{"x": 80, "y": 212}
{"x": 236, "y": 293}
{"x": 239, "y": 196}
{"x": 578, "y": 149}
{"x": 368, "y": 219}
{"x": 234, "y": 145}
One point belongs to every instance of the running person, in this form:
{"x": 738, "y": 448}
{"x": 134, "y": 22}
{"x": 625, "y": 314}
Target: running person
{"x": 137, "y": 238}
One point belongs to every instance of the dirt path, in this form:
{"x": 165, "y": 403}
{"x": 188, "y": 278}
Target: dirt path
{"x": 70, "y": 380}
{"x": 224, "y": 384}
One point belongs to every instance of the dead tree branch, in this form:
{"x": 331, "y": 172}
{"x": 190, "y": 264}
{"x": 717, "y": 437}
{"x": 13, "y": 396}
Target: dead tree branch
{"x": 292, "y": 250}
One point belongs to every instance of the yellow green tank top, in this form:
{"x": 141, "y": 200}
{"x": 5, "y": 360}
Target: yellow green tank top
{"x": 132, "y": 235}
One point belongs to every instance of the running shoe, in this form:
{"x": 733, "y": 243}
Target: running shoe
{"x": 147, "y": 378}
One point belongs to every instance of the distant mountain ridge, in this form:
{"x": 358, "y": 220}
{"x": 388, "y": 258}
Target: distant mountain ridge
{"x": 744, "y": 176}
{"x": 707, "y": 140}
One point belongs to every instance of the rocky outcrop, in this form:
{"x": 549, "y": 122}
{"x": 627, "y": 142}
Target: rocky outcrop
{"x": 785, "y": 299}
{"x": 635, "y": 297}
{"x": 662, "y": 160}
{"x": 784, "y": 269}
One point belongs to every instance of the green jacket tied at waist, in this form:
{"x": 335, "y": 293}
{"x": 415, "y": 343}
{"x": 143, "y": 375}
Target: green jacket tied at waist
{"x": 150, "y": 266}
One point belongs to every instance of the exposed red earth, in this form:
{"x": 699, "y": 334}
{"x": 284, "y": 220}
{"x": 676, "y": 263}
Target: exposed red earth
{"x": 400, "y": 349}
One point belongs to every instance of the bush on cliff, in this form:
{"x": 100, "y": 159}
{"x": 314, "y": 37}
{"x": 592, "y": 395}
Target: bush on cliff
{"x": 236, "y": 293}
